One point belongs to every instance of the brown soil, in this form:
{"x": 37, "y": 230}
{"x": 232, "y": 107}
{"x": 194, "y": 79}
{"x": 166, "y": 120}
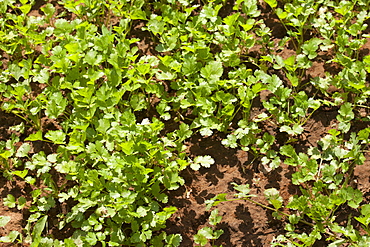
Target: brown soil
{"x": 244, "y": 223}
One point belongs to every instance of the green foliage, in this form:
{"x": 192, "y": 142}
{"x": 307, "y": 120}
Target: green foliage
{"x": 85, "y": 86}
{"x": 4, "y": 220}
{"x": 323, "y": 176}
{"x": 205, "y": 161}
{"x": 206, "y": 234}
{"x": 12, "y": 236}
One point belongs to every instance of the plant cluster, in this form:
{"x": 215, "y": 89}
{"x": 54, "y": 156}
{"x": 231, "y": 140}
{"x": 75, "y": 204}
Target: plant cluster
{"x": 111, "y": 103}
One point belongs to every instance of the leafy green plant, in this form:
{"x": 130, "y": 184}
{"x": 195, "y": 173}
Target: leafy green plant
{"x": 324, "y": 181}
{"x": 206, "y": 234}
{"x": 12, "y": 236}
{"x": 117, "y": 114}
{"x": 299, "y": 15}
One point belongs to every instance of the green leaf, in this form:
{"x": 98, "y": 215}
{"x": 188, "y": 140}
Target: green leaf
{"x": 231, "y": 19}
{"x": 206, "y": 131}
{"x": 156, "y": 24}
{"x": 281, "y": 14}
{"x": 295, "y": 130}
{"x": 216, "y": 200}
{"x": 353, "y": 196}
{"x": 243, "y": 190}
{"x": 206, "y": 232}
{"x": 15, "y": 71}
{"x": 273, "y": 196}
{"x": 138, "y": 102}
{"x": 345, "y": 116}
{"x": 190, "y": 65}
{"x": 21, "y": 174}
{"x": 56, "y": 105}
{"x": 39, "y": 226}
{"x": 272, "y": 3}
{"x": 200, "y": 239}
{"x": 172, "y": 180}
{"x": 346, "y": 111}
{"x": 127, "y": 147}
{"x": 23, "y": 150}
{"x": 4, "y": 5}
{"x": 293, "y": 79}
{"x": 294, "y": 219}
{"x": 57, "y": 136}
{"x": 4, "y": 220}
{"x": 310, "y": 47}
{"x": 212, "y": 71}
{"x": 205, "y": 161}
{"x": 184, "y": 132}
{"x": 91, "y": 238}
{"x": 165, "y": 75}
{"x": 248, "y": 26}
{"x": 138, "y": 14}
{"x": 273, "y": 83}
{"x": 214, "y": 218}
{"x": 9, "y": 201}
{"x": 92, "y": 58}
{"x": 141, "y": 211}
{"x": 288, "y": 150}
{"x": 365, "y": 215}
{"x": 209, "y": 12}
{"x": 49, "y": 10}
{"x": 217, "y": 234}
{"x": 344, "y": 7}
{"x": 230, "y": 141}
{"x": 103, "y": 125}
{"x": 303, "y": 61}
{"x": 21, "y": 202}
{"x": 62, "y": 26}
{"x": 42, "y": 76}
{"x": 10, "y": 238}
{"x": 290, "y": 62}
{"x": 45, "y": 203}
{"x": 25, "y": 8}
{"x": 174, "y": 240}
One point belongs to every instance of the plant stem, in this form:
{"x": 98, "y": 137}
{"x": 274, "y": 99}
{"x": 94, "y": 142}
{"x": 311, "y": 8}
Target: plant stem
{"x": 270, "y": 208}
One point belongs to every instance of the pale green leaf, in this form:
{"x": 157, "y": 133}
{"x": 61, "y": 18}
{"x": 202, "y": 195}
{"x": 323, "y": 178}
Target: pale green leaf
{"x": 57, "y": 136}
{"x": 10, "y": 238}
{"x": 23, "y": 150}
{"x": 212, "y": 71}
{"x": 4, "y": 220}
{"x": 205, "y": 161}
